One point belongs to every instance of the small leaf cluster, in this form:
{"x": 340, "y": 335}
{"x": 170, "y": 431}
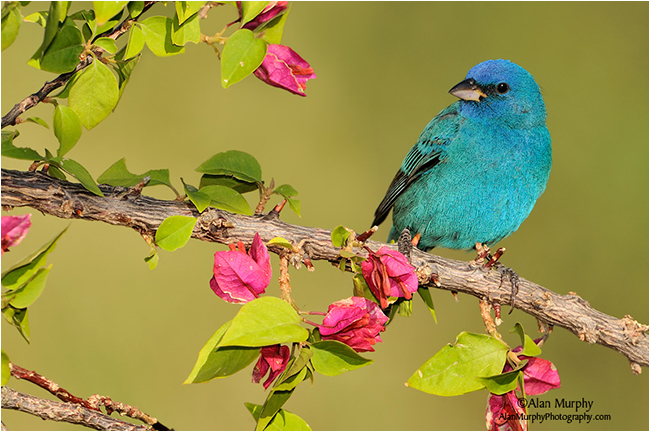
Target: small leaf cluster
{"x": 268, "y": 321}
{"x": 23, "y": 284}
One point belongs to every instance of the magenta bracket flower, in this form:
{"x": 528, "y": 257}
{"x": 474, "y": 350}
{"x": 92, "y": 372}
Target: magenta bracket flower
{"x": 14, "y": 230}
{"x": 389, "y": 274}
{"x": 284, "y": 68}
{"x": 240, "y": 277}
{"x": 273, "y": 358}
{"x": 269, "y": 12}
{"x": 355, "y": 321}
{"x": 504, "y": 411}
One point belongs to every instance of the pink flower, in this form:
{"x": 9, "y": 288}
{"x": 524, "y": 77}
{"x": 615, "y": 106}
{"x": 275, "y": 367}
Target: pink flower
{"x": 505, "y": 412}
{"x": 274, "y": 358}
{"x": 285, "y": 69}
{"x": 389, "y": 274}
{"x": 540, "y": 376}
{"x": 14, "y": 230}
{"x": 240, "y": 277}
{"x": 355, "y": 321}
{"x": 271, "y": 10}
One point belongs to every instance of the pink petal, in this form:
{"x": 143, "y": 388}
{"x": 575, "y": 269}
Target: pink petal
{"x": 501, "y": 413}
{"x": 14, "y": 229}
{"x": 260, "y": 254}
{"x": 540, "y": 376}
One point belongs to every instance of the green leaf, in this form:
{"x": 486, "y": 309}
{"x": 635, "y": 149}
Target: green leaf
{"x": 529, "y": 346}
{"x": 425, "y": 295}
{"x": 361, "y": 288}
{"x": 135, "y": 43}
{"x": 118, "y": 175}
{"x": 219, "y": 362}
{"x": 56, "y": 172}
{"x": 158, "y": 35}
{"x": 200, "y": 200}
{"x": 10, "y": 150}
{"x": 67, "y": 128}
{"x": 94, "y": 95}
{"x": 189, "y": 31}
{"x": 107, "y": 44}
{"x": 292, "y": 381}
{"x": 227, "y": 199}
{"x": 501, "y": 383}
{"x": 186, "y": 9}
{"x": 272, "y": 30}
{"x": 135, "y": 8}
{"x": 6, "y": 371}
{"x": 332, "y": 358}
{"x": 124, "y": 69}
{"x": 105, "y": 10}
{"x": 19, "y": 319}
{"x": 279, "y": 241}
{"x": 31, "y": 291}
{"x": 39, "y": 18}
{"x": 152, "y": 259}
{"x": 283, "y": 420}
{"x": 10, "y": 25}
{"x": 287, "y": 191}
{"x": 75, "y": 169}
{"x": 251, "y": 9}
{"x": 62, "y": 55}
{"x": 242, "y": 54}
{"x": 37, "y": 120}
{"x": 174, "y": 232}
{"x": 234, "y": 163}
{"x": 24, "y": 270}
{"x": 228, "y": 181}
{"x": 274, "y": 401}
{"x": 265, "y": 321}
{"x": 455, "y": 369}
{"x": 340, "y": 236}
{"x": 51, "y": 26}
{"x": 300, "y": 362}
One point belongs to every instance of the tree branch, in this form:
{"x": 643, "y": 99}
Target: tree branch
{"x": 34, "y": 99}
{"x": 63, "y": 412}
{"x": 93, "y": 403}
{"x": 144, "y": 214}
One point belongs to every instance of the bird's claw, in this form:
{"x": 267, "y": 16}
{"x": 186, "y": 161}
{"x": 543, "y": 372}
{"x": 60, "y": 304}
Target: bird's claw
{"x": 507, "y": 272}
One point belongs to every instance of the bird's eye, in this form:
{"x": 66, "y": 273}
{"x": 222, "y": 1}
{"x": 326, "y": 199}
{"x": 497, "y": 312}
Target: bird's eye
{"x": 503, "y": 88}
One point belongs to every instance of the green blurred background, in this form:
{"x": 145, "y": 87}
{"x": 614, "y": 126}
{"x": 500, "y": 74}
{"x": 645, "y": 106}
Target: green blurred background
{"x": 107, "y": 324}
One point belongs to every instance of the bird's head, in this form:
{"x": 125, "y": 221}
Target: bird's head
{"x": 501, "y": 89}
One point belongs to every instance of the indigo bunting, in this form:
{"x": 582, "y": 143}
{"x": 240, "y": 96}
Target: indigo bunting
{"x": 478, "y": 167}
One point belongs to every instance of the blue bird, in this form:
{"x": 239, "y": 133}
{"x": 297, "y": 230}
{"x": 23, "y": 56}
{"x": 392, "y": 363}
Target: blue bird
{"x": 478, "y": 167}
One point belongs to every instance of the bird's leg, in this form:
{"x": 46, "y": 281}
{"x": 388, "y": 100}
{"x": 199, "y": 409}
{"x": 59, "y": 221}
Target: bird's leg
{"x": 405, "y": 243}
{"x": 506, "y": 272}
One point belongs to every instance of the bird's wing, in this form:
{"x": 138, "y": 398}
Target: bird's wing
{"x": 428, "y": 152}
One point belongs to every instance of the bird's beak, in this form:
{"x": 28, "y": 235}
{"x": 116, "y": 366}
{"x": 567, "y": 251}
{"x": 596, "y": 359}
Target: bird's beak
{"x": 467, "y": 90}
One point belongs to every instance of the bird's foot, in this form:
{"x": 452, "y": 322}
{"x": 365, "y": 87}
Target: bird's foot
{"x": 483, "y": 253}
